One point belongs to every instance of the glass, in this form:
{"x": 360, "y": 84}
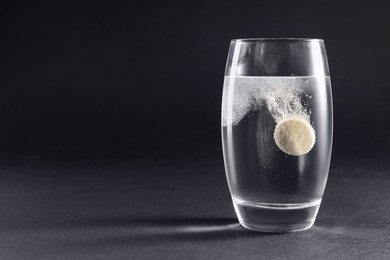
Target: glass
{"x": 277, "y": 128}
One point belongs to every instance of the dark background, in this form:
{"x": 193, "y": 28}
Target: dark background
{"x": 144, "y": 80}
{"x": 110, "y": 129}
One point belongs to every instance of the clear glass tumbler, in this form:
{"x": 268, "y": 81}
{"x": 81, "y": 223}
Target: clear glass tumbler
{"x": 277, "y": 128}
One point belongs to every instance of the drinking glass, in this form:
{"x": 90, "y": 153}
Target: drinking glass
{"x": 277, "y": 129}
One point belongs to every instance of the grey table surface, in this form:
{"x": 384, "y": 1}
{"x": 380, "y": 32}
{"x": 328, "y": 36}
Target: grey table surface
{"x": 178, "y": 210}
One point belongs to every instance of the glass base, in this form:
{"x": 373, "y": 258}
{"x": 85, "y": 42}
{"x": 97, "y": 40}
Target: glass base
{"x": 276, "y": 218}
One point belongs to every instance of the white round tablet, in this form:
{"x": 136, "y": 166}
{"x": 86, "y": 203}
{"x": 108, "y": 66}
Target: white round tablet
{"x": 294, "y": 136}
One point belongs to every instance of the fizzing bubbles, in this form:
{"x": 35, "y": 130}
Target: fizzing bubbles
{"x": 293, "y": 133}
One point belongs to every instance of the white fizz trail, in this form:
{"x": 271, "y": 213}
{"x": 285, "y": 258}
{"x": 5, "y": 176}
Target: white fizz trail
{"x": 293, "y": 133}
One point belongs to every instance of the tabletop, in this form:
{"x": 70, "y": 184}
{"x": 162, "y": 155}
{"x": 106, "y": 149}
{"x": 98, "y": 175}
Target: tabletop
{"x": 178, "y": 210}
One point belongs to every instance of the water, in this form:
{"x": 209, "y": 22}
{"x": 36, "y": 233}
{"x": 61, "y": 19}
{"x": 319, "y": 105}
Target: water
{"x": 272, "y": 190}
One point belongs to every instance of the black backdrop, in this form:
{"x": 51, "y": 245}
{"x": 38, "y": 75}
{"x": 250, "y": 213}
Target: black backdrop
{"x": 144, "y": 80}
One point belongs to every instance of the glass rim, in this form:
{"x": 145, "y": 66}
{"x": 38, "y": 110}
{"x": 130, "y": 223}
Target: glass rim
{"x": 278, "y": 40}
